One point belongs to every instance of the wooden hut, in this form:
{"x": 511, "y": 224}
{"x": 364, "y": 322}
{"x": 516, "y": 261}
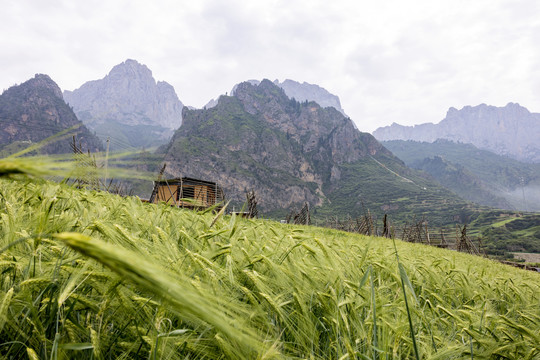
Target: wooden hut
{"x": 187, "y": 193}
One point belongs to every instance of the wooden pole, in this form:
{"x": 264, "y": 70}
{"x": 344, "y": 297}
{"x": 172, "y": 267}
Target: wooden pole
{"x": 170, "y": 191}
{"x": 107, "y": 161}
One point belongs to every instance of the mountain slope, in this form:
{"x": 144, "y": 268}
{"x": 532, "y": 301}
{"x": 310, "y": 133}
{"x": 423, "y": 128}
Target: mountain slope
{"x": 461, "y": 181}
{"x": 292, "y": 152}
{"x": 128, "y": 100}
{"x": 35, "y": 110}
{"x": 509, "y": 131}
{"x": 474, "y": 174}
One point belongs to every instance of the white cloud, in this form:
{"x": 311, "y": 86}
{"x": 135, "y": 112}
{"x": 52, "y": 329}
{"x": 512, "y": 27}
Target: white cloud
{"x": 388, "y": 61}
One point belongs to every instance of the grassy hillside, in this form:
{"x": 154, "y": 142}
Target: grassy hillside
{"x": 474, "y": 174}
{"x": 388, "y": 187}
{"x": 463, "y": 182}
{"x": 91, "y": 275}
{"x": 505, "y": 232}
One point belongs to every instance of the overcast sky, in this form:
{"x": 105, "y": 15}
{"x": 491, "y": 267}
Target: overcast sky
{"x": 388, "y": 60}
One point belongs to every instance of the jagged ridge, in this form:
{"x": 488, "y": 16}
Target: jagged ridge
{"x": 510, "y": 131}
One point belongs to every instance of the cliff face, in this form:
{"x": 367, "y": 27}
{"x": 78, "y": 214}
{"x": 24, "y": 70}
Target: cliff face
{"x": 35, "y": 110}
{"x": 308, "y": 124}
{"x": 261, "y": 139}
{"x": 510, "y": 131}
{"x": 289, "y": 152}
{"x": 129, "y": 107}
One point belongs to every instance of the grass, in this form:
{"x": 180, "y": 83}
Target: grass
{"x": 403, "y": 201}
{"x": 91, "y": 275}
{"x": 502, "y": 223}
{"x": 504, "y": 233}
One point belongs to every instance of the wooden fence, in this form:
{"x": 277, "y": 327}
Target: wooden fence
{"x": 417, "y": 232}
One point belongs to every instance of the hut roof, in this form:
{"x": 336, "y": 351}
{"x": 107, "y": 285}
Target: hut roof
{"x": 184, "y": 180}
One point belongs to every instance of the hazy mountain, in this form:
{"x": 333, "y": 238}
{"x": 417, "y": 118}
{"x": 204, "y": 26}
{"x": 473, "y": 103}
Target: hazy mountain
{"x": 128, "y": 101}
{"x": 210, "y": 104}
{"x": 510, "y": 131}
{"x": 292, "y": 152}
{"x": 461, "y": 181}
{"x": 474, "y": 174}
{"x": 35, "y": 110}
{"x": 310, "y": 92}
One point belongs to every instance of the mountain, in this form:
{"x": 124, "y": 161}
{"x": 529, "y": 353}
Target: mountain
{"x": 129, "y": 106}
{"x": 291, "y": 152}
{"x": 474, "y": 174}
{"x": 35, "y": 110}
{"x": 509, "y": 131}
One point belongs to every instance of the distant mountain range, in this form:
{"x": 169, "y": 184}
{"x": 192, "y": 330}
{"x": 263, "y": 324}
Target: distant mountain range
{"x": 35, "y": 110}
{"x": 509, "y": 131}
{"x": 133, "y": 110}
{"x": 129, "y": 106}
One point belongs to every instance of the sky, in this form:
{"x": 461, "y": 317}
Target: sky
{"x": 387, "y": 60}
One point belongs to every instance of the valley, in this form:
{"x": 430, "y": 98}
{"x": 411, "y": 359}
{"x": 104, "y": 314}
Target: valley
{"x": 269, "y": 180}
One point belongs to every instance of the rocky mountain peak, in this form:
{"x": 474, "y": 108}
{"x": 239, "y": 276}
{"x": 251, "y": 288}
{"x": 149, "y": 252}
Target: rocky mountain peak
{"x": 261, "y": 97}
{"x": 131, "y": 69}
{"x": 252, "y": 82}
{"x": 128, "y": 95}
{"x": 452, "y": 111}
{"x": 253, "y": 86}
{"x": 306, "y": 122}
{"x": 488, "y": 112}
{"x": 43, "y": 81}
{"x": 132, "y": 65}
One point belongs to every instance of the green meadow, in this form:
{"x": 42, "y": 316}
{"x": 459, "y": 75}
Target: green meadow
{"x": 90, "y": 275}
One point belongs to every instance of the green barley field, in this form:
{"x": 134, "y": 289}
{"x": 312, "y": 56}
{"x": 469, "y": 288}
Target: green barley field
{"x": 89, "y": 275}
